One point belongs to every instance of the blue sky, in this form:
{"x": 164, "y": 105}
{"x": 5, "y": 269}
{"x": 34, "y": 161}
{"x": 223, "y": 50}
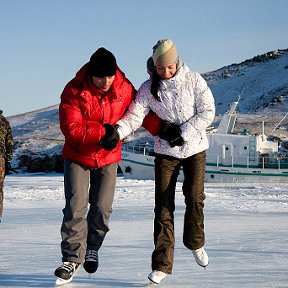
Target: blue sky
{"x": 44, "y": 43}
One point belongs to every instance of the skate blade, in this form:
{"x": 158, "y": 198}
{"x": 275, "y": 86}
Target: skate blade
{"x": 60, "y": 281}
{"x": 152, "y": 283}
{"x": 205, "y": 267}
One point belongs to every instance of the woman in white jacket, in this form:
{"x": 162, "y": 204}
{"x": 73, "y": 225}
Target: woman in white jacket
{"x": 182, "y": 99}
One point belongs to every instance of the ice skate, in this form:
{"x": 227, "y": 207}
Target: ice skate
{"x": 65, "y": 272}
{"x": 156, "y": 276}
{"x": 201, "y": 257}
{"x": 91, "y": 261}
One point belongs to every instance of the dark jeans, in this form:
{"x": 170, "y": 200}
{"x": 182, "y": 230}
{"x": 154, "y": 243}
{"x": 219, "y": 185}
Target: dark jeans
{"x": 82, "y": 187}
{"x": 166, "y": 172}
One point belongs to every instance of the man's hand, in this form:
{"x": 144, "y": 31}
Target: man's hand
{"x": 111, "y": 137}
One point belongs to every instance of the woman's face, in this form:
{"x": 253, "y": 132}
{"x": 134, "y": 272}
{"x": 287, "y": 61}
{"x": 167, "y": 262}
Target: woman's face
{"x": 166, "y": 71}
{"x": 103, "y": 83}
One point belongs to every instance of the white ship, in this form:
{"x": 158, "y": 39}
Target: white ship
{"x": 230, "y": 157}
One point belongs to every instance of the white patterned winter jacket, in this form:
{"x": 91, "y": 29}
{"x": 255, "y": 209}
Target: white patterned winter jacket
{"x": 185, "y": 100}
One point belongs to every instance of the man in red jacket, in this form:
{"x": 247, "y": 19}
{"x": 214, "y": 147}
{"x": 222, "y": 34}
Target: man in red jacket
{"x": 91, "y": 104}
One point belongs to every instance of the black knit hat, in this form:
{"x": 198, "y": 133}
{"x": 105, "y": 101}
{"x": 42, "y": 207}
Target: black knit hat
{"x": 102, "y": 63}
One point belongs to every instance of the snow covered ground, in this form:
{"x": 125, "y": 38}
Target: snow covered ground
{"x": 246, "y": 231}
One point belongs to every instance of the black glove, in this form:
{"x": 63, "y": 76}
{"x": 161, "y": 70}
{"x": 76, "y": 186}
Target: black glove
{"x": 111, "y": 137}
{"x": 171, "y": 133}
{"x": 7, "y": 167}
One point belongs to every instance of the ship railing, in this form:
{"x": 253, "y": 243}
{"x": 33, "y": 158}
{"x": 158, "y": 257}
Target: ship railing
{"x": 217, "y": 160}
{"x": 144, "y": 149}
{"x": 246, "y": 162}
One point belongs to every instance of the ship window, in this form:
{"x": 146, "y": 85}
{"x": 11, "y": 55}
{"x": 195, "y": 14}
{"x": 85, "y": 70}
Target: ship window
{"x": 226, "y": 148}
{"x": 245, "y": 147}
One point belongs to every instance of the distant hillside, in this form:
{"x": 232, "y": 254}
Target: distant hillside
{"x": 262, "y": 80}
{"x": 38, "y": 140}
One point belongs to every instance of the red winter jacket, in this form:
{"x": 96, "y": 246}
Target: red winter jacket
{"x": 83, "y": 111}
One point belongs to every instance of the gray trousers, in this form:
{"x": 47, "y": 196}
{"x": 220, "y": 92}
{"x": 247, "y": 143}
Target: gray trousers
{"x": 89, "y": 196}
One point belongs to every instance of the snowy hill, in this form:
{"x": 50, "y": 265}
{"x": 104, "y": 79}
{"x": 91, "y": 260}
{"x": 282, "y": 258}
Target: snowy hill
{"x": 262, "y": 82}
{"x": 37, "y": 136}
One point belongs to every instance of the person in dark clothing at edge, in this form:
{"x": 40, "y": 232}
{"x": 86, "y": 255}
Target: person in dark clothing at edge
{"x": 6, "y": 153}
{"x": 183, "y": 100}
{"x": 91, "y": 104}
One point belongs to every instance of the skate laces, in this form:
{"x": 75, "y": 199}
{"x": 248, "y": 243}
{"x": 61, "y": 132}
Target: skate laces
{"x": 199, "y": 252}
{"x": 70, "y": 267}
{"x": 159, "y": 273}
{"x": 91, "y": 255}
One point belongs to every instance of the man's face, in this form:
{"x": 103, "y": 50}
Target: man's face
{"x": 103, "y": 83}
